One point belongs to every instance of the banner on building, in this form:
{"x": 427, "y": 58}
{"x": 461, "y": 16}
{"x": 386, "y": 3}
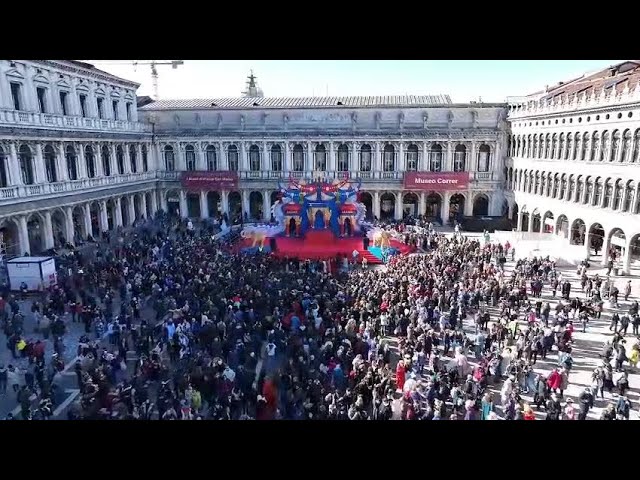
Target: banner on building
{"x": 438, "y": 181}
{"x": 205, "y": 180}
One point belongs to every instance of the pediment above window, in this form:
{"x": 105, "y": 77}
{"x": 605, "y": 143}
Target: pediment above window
{"x": 13, "y": 73}
{"x": 39, "y": 78}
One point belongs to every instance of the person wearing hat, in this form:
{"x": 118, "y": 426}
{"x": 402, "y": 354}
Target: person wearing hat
{"x": 569, "y": 412}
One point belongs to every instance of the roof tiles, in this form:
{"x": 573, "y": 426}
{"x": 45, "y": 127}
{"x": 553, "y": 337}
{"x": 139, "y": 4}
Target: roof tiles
{"x": 293, "y": 102}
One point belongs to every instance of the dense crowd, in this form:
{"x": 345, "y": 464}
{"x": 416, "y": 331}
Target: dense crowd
{"x": 218, "y": 335}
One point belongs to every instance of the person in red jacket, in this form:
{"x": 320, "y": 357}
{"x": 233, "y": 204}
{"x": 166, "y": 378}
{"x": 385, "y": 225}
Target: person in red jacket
{"x": 555, "y": 380}
{"x": 400, "y": 375}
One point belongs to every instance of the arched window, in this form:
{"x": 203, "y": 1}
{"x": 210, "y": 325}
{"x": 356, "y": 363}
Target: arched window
{"x": 276, "y": 158}
{"x": 320, "y": 160}
{"x": 626, "y": 146}
{"x": 554, "y": 146}
{"x": 254, "y": 158}
{"x": 585, "y": 146}
{"x": 72, "y": 163}
{"x": 563, "y": 186}
{"x": 389, "y": 158}
{"x": 595, "y": 144}
{"x": 608, "y": 193}
{"x": 106, "y": 161}
{"x": 629, "y": 192}
{"x": 556, "y": 185}
{"x": 435, "y": 157}
{"x": 577, "y": 146}
{"x": 518, "y": 146}
{"x": 597, "y": 195}
{"x": 549, "y": 185}
{"x": 211, "y": 158}
{"x": 90, "y": 161}
{"x": 536, "y": 187}
{"x": 605, "y": 146}
{"x": 343, "y": 157}
{"x": 535, "y": 146}
{"x": 572, "y": 187}
{"x": 580, "y": 189}
{"x": 547, "y": 146}
{"x": 484, "y": 158}
{"x": 190, "y": 157}
{"x": 568, "y": 153}
{"x": 169, "y": 159}
{"x": 120, "y": 159}
{"x": 411, "y": 155}
{"x": 133, "y": 158}
{"x": 617, "y": 194}
{"x": 460, "y": 158}
{"x": 588, "y": 197}
{"x": 615, "y": 146}
{"x": 531, "y": 182}
{"x": 525, "y": 182}
{"x": 529, "y": 146}
{"x": 232, "y": 158}
{"x": 50, "y": 166}
{"x": 145, "y": 159}
{"x": 636, "y": 146}
{"x": 298, "y": 158}
{"x": 561, "y": 151}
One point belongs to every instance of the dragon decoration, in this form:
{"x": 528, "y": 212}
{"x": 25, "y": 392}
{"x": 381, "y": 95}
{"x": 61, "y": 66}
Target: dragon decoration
{"x": 338, "y": 198}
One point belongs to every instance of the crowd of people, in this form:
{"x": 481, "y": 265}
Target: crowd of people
{"x": 219, "y": 335}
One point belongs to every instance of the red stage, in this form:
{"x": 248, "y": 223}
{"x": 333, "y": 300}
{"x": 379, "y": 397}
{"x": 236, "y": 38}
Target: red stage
{"x": 323, "y": 244}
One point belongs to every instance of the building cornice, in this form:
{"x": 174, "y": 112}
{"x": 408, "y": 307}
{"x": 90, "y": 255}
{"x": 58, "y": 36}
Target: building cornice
{"x": 49, "y": 134}
{"x": 97, "y": 74}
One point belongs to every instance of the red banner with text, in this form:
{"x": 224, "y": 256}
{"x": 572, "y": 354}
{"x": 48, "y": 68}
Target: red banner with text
{"x": 205, "y": 180}
{"x": 439, "y": 181}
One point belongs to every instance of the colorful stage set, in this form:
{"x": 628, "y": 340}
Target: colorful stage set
{"x": 317, "y": 220}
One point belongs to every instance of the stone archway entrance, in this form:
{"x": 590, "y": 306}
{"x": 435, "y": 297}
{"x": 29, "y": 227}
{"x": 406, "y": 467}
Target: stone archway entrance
{"x": 410, "y": 205}
{"x": 387, "y": 206}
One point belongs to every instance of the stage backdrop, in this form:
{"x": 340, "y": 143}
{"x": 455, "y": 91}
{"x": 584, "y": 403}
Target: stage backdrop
{"x": 206, "y": 180}
{"x": 436, "y": 181}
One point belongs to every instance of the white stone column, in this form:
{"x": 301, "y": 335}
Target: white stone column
{"x": 15, "y": 177}
{"x": 86, "y": 210}
{"x": 244, "y": 160}
{"x": 114, "y": 159}
{"x": 424, "y": 161}
{"x": 48, "y": 231}
{"x": 520, "y": 216}
{"x": 266, "y": 167}
{"x": 61, "y": 163}
{"x": 225, "y": 202}
{"x": 448, "y": 163}
{"x": 310, "y": 164}
{"x": 118, "y": 212}
{"x": 23, "y": 235}
{"x": 332, "y": 158}
{"x": 446, "y": 198}
{"x": 423, "y": 203}
{"x": 104, "y": 218}
{"x": 245, "y": 203}
{"x": 158, "y": 163}
{"x": 266, "y": 205}
{"x": 376, "y": 201}
{"x": 143, "y": 205}
{"x": 163, "y": 201}
{"x": 287, "y": 157}
{"x": 530, "y": 229}
{"x": 154, "y": 202}
{"x": 131, "y": 209}
{"x": 398, "y": 209}
{"x": 402, "y": 161}
{"x": 204, "y": 205}
{"x": 127, "y": 159}
{"x": 38, "y": 168}
{"x": 474, "y": 158}
{"x": 202, "y": 162}
{"x": 223, "y": 161}
{"x": 97, "y": 158}
{"x": 353, "y": 161}
{"x": 82, "y": 163}
{"x": 68, "y": 224}
{"x": 184, "y": 210}
{"x": 495, "y": 160}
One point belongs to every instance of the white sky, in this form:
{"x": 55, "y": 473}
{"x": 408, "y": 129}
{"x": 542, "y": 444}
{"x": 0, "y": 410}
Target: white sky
{"x": 463, "y": 80}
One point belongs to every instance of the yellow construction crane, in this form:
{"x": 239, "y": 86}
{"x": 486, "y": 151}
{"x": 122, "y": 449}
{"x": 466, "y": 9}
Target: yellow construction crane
{"x": 154, "y": 71}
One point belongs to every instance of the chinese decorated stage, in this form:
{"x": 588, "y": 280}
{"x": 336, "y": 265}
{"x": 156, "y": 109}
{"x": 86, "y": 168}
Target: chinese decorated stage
{"x": 317, "y": 220}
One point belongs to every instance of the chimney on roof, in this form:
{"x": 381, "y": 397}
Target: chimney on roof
{"x": 546, "y": 88}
